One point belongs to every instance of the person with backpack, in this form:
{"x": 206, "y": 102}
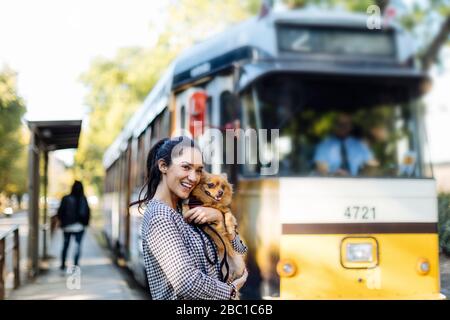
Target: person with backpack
{"x": 73, "y": 215}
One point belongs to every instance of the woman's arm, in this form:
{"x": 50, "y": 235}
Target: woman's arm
{"x": 238, "y": 244}
{"x": 166, "y": 244}
{"x": 202, "y": 215}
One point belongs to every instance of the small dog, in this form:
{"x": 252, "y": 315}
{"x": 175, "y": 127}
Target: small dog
{"x": 215, "y": 191}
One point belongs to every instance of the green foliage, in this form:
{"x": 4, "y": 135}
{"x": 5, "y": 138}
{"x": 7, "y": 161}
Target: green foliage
{"x": 118, "y": 86}
{"x": 444, "y": 221}
{"x": 12, "y": 163}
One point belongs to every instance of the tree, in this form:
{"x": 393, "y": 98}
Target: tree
{"x": 12, "y": 136}
{"x": 118, "y": 86}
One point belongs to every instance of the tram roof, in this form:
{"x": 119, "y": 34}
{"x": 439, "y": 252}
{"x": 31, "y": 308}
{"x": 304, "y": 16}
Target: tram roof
{"x": 254, "y": 39}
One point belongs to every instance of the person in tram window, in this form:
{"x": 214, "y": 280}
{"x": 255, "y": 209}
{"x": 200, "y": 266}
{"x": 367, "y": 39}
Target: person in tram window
{"x": 181, "y": 261}
{"x": 341, "y": 153}
{"x": 73, "y": 215}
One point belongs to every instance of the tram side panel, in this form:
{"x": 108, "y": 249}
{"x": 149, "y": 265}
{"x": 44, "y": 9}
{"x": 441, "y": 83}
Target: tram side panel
{"x": 257, "y": 209}
{"x": 124, "y": 220}
{"x": 136, "y": 256}
{"x": 111, "y": 207}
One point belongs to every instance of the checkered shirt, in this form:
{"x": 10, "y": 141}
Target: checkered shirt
{"x": 175, "y": 257}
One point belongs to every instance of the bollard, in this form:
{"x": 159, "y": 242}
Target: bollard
{"x": 16, "y": 258}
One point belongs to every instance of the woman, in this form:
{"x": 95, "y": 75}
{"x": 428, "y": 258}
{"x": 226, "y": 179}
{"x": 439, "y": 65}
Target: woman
{"x": 180, "y": 259}
{"x": 73, "y": 214}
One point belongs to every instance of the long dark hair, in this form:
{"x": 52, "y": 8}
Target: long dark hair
{"x": 165, "y": 149}
{"x": 77, "y": 190}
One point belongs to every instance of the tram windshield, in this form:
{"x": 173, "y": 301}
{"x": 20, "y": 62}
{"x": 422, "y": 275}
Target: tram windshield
{"x": 336, "y": 127}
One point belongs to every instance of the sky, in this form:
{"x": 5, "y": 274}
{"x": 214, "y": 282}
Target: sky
{"x": 50, "y": 43}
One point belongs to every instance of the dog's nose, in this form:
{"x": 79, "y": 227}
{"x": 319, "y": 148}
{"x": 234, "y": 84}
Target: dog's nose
{"x": 220, "y": 193}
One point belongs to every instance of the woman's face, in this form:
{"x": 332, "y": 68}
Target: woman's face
{"x": 185, "y": 172}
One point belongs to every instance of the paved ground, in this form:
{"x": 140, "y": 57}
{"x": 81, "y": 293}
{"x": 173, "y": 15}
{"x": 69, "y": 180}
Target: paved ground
{"x": 98, "y": 277}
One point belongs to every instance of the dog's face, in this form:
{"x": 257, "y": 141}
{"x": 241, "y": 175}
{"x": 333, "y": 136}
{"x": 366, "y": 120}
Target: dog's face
{"x": 216, "y": 187}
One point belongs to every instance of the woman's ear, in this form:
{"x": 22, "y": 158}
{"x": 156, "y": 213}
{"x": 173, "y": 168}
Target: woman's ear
{"x": 162, "y": 166}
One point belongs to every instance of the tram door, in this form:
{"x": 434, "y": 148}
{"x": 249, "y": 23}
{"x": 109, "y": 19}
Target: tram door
{"x": 216, "y": 107}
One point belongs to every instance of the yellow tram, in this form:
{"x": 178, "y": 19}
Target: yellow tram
{"x": 370, "y": 233}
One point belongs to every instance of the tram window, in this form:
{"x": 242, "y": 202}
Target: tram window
{"x": 336, "y": 41}
{"x": 383, "y": 129}
{"x": 152, "y": 135}
{"x": 141, "y": 161}
{"x": 249, "y": 120}
{"x": 107, "y": 180}
{"x": 183, "y": 117}
{"x": 229, "y": 118}
{"x": 229, "y": 109}
{"x": 165, "y": 124}
{"x": 157, "y": 128}
{"x": 209, "y": 112}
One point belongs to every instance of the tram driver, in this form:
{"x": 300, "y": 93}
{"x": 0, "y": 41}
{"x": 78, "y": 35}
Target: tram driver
{"x": 341, "y": 153}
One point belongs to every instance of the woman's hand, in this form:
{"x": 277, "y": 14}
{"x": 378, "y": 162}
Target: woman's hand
{"x": 201, "y": 215}
{"x": 239, "y": 282}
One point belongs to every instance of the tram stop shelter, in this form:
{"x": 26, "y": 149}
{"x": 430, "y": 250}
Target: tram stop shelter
{"x": 46, "y": 136}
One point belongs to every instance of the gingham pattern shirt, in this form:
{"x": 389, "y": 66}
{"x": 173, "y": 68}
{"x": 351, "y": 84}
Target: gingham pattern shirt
{"x": 175, "y": 260}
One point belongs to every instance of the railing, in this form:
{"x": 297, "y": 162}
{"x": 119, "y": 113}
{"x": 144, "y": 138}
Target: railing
{"x": 9, "y": 242}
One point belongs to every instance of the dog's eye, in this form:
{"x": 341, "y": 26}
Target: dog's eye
{"x": 210, "y": 185}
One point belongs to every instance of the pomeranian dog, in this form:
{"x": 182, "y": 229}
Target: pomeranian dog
{"x": 215, "y": 191}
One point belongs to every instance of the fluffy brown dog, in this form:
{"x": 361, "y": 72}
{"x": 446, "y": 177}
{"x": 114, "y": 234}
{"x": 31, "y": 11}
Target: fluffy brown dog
{"x": 215, "y": 191}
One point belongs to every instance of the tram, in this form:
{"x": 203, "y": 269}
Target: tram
{"x": 368, "y": 234}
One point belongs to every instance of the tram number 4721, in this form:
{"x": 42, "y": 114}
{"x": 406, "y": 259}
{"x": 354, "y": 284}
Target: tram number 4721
{"x": 360, "y": 213}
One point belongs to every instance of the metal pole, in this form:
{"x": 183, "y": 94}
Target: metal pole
{"x": 44, "y": 239}
{"x": 33, "y": 207}
{"x": 16, "y": 258}
{"x": 2, "y": 264}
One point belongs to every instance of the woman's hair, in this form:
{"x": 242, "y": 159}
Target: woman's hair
{"x": 77, "y": 189}
{"x": 165, "y": 149}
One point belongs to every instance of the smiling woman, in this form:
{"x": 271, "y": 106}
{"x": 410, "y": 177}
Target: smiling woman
{"x": 181, "y": 260}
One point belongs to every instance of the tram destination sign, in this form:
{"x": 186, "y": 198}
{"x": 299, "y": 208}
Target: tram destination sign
{"x": 336, "y": 41}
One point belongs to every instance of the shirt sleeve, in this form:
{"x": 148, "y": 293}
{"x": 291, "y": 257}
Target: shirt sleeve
{"x": 321, "y": 153}
{"x": 238, "y": 245}
{"x": 368, "y": 154}
{"x": 165, "y": 243}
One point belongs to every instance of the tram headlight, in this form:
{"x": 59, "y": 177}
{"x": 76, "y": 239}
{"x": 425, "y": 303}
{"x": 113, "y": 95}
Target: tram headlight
{"x": 359, "y": 252}
{"x": 423, "y": 266}
{"x": 286, "y": 268}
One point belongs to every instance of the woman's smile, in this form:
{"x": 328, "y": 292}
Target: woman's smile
{"x": 187, "y": 186}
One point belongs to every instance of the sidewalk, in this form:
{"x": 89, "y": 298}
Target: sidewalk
{"x": 99, "y": 277}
